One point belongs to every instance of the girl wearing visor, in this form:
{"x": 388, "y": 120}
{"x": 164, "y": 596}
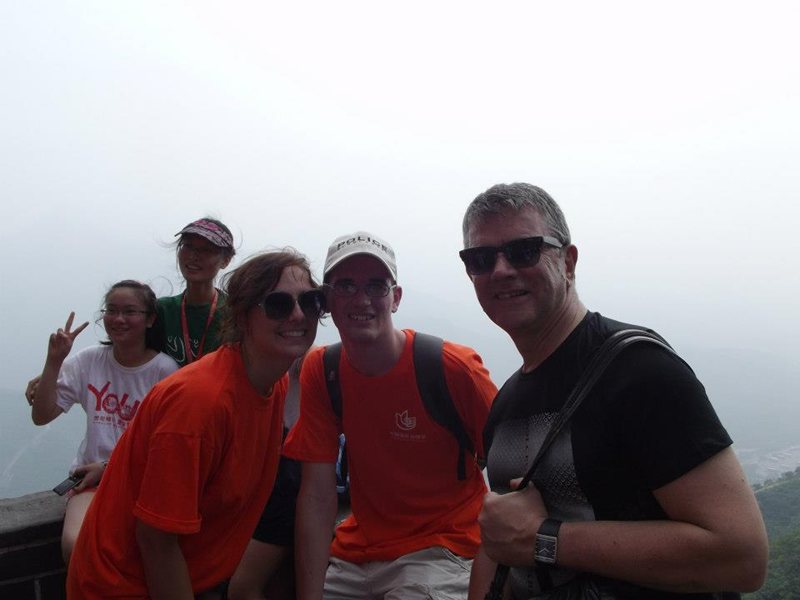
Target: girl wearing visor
{"x": 187, "y": 483}
{"x": 191, "y": 319}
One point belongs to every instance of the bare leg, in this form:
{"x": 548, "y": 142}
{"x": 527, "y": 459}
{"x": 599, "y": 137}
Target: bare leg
{"x": 76, "y": 511}
{"x": 259, "y": 563}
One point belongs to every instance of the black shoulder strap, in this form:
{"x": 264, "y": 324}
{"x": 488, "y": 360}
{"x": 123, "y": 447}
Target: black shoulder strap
{"x": 331, "y": 357}
{"x": 608, "y": 351}
{"x": 429, "y": 369}
{"x": 330, "y": 364}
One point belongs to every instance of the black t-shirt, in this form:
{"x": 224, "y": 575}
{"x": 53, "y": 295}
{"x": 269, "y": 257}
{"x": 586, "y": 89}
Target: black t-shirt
{"x": 646, "y": 422}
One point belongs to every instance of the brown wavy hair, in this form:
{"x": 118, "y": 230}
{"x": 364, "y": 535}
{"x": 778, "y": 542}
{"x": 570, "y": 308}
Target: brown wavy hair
{"x": 247, "y": 285}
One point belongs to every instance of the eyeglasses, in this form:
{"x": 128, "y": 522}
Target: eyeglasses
{"x": 521, "y": 253}
{"x": 201, "y": 251}
{"x": 279, "y": 305}
{"x": 128, "y": 313}
{"x": 347, "y": 288}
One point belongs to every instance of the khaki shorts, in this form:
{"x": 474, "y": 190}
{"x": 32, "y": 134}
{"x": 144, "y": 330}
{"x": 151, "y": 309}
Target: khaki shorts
{"x": 433, "y": 573}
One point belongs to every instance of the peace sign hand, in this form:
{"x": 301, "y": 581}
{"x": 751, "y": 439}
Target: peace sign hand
{"x": 61, "y": 341}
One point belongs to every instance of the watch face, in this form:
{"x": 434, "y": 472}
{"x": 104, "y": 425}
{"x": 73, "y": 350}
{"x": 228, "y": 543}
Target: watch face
{"x": 546, "y": 547}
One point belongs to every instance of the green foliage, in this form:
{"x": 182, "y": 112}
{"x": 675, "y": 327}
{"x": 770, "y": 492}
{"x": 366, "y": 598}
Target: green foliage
{"x": 783, "y": 580}
{"x": 780, "y": 504}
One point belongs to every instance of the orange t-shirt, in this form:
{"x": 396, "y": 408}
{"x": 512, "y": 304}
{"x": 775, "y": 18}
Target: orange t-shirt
{"x": 199, "y": 460}
{"x": 404, "y": 490}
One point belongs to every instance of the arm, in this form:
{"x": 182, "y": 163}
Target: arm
{"x": 164, "y": 566}
{"x": 481, "y": 575}
{"x": 91, "y": 473}
{"x": 316, "y": 516}
{"x": 43, "y": 397}
{"x": 715, "y": 539}
{"x": 471, "y": 388}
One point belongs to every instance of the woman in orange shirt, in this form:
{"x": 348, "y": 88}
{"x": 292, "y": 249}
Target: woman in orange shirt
{"x": 187, "y": 483}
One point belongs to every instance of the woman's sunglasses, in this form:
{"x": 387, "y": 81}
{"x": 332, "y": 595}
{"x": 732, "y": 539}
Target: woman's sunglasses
{"x": 521, "y": 253}
{"x": 279, "y": 305}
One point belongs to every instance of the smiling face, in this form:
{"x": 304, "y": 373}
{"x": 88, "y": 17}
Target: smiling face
{"x": 362, "y": 318}
{"x": 526, "y": 299}
{"x": 282, "y": 339}
{"x": 199, "y": 260}
{"x": 127, "y": 320}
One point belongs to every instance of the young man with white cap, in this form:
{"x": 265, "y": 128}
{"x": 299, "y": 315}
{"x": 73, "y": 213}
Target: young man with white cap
{"x": 413, "y": 528}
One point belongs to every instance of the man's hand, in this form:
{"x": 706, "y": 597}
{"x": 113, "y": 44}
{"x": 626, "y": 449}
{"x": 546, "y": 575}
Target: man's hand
{"x": 509, "y": 524}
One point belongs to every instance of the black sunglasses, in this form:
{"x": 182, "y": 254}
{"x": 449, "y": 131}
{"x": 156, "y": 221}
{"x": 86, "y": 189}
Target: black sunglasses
{"x": 520, "y": 253}
{"x": 279, "y": 305}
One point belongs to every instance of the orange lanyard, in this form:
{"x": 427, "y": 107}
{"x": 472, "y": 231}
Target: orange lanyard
{"x": 187, "y": 344}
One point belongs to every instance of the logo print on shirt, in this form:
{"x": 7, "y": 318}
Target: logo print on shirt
{"x": 173, "y": 345}
{"x": 113, "y": 404}
{"x": 404, "y": 422}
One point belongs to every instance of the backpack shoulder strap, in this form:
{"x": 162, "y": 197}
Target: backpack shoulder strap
{"x": 331, "y": 357}
{"x": 429, "y": 369}
{"x": 330, "y": 364}
{"x": 607, "y": 352}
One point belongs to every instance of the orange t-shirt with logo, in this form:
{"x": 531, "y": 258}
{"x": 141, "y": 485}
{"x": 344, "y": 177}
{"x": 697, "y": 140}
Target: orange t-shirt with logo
{"x": 198, "y": 460}
{"x": 404, "y": 490}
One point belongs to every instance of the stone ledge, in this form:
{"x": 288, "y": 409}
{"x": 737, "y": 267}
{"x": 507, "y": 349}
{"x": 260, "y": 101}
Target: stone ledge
{"x": 30, "y": 547}
{"x": 30, "y": 517}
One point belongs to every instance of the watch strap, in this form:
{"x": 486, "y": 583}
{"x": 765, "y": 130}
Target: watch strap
{"x": 546, "y": 550}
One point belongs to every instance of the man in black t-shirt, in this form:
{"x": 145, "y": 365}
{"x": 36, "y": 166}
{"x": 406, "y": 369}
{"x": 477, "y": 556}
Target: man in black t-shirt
{"x": 640, "y": 495}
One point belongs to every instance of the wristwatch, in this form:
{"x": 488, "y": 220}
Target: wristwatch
{"x": 546, "y": 551}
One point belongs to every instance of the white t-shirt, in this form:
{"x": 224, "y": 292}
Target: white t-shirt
{"x": 108, "y": 392}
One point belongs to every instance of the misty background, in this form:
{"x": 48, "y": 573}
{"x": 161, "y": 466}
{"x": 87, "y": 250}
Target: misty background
{"x": 669, "y": 134}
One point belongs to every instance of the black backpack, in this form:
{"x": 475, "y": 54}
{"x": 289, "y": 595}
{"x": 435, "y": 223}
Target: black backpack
{"x": 429, "y": 369}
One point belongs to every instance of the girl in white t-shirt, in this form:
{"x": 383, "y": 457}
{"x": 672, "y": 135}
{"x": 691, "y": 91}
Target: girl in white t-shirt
{"x": 109, "y": 381}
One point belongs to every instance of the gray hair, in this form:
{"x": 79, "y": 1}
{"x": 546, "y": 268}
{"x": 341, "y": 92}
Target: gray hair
{"x": 515, "y": 197}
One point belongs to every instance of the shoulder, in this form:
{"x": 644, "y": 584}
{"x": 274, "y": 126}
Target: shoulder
{"x": 203, "y": 384}
{"x": 449, "y": 349}
{"x": 87, "y": 360}
{"x": 460, "y": 355}
{"x": 312, "y": 376}
{"x": 164, "y": 362}
{"x": 646, "y": 364}
{"x": 643, "y": 359}
{"x": 580, "y": 347}
{"x": 455, "y": 356}
{"x": 314, "y": 355}
{"x": 224, "y": 361}
{"x": 92, "y": 354}
{"x": 169, "y": 302}
{"x": 212, "y": 372}
{"x": 312, "y": 360}
{"x": 506, "y": 397}
{"x": 463, "y": 364}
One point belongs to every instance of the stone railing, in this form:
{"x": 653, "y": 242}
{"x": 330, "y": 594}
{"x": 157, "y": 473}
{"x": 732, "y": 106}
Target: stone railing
{"x": 31, "y": 567}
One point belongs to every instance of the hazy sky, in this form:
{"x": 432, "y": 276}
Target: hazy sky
{"x": 668, "y": 132}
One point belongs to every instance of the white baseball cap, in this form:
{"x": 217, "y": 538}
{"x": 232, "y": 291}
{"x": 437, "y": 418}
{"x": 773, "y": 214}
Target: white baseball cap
{"x": 360, "y": 242}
